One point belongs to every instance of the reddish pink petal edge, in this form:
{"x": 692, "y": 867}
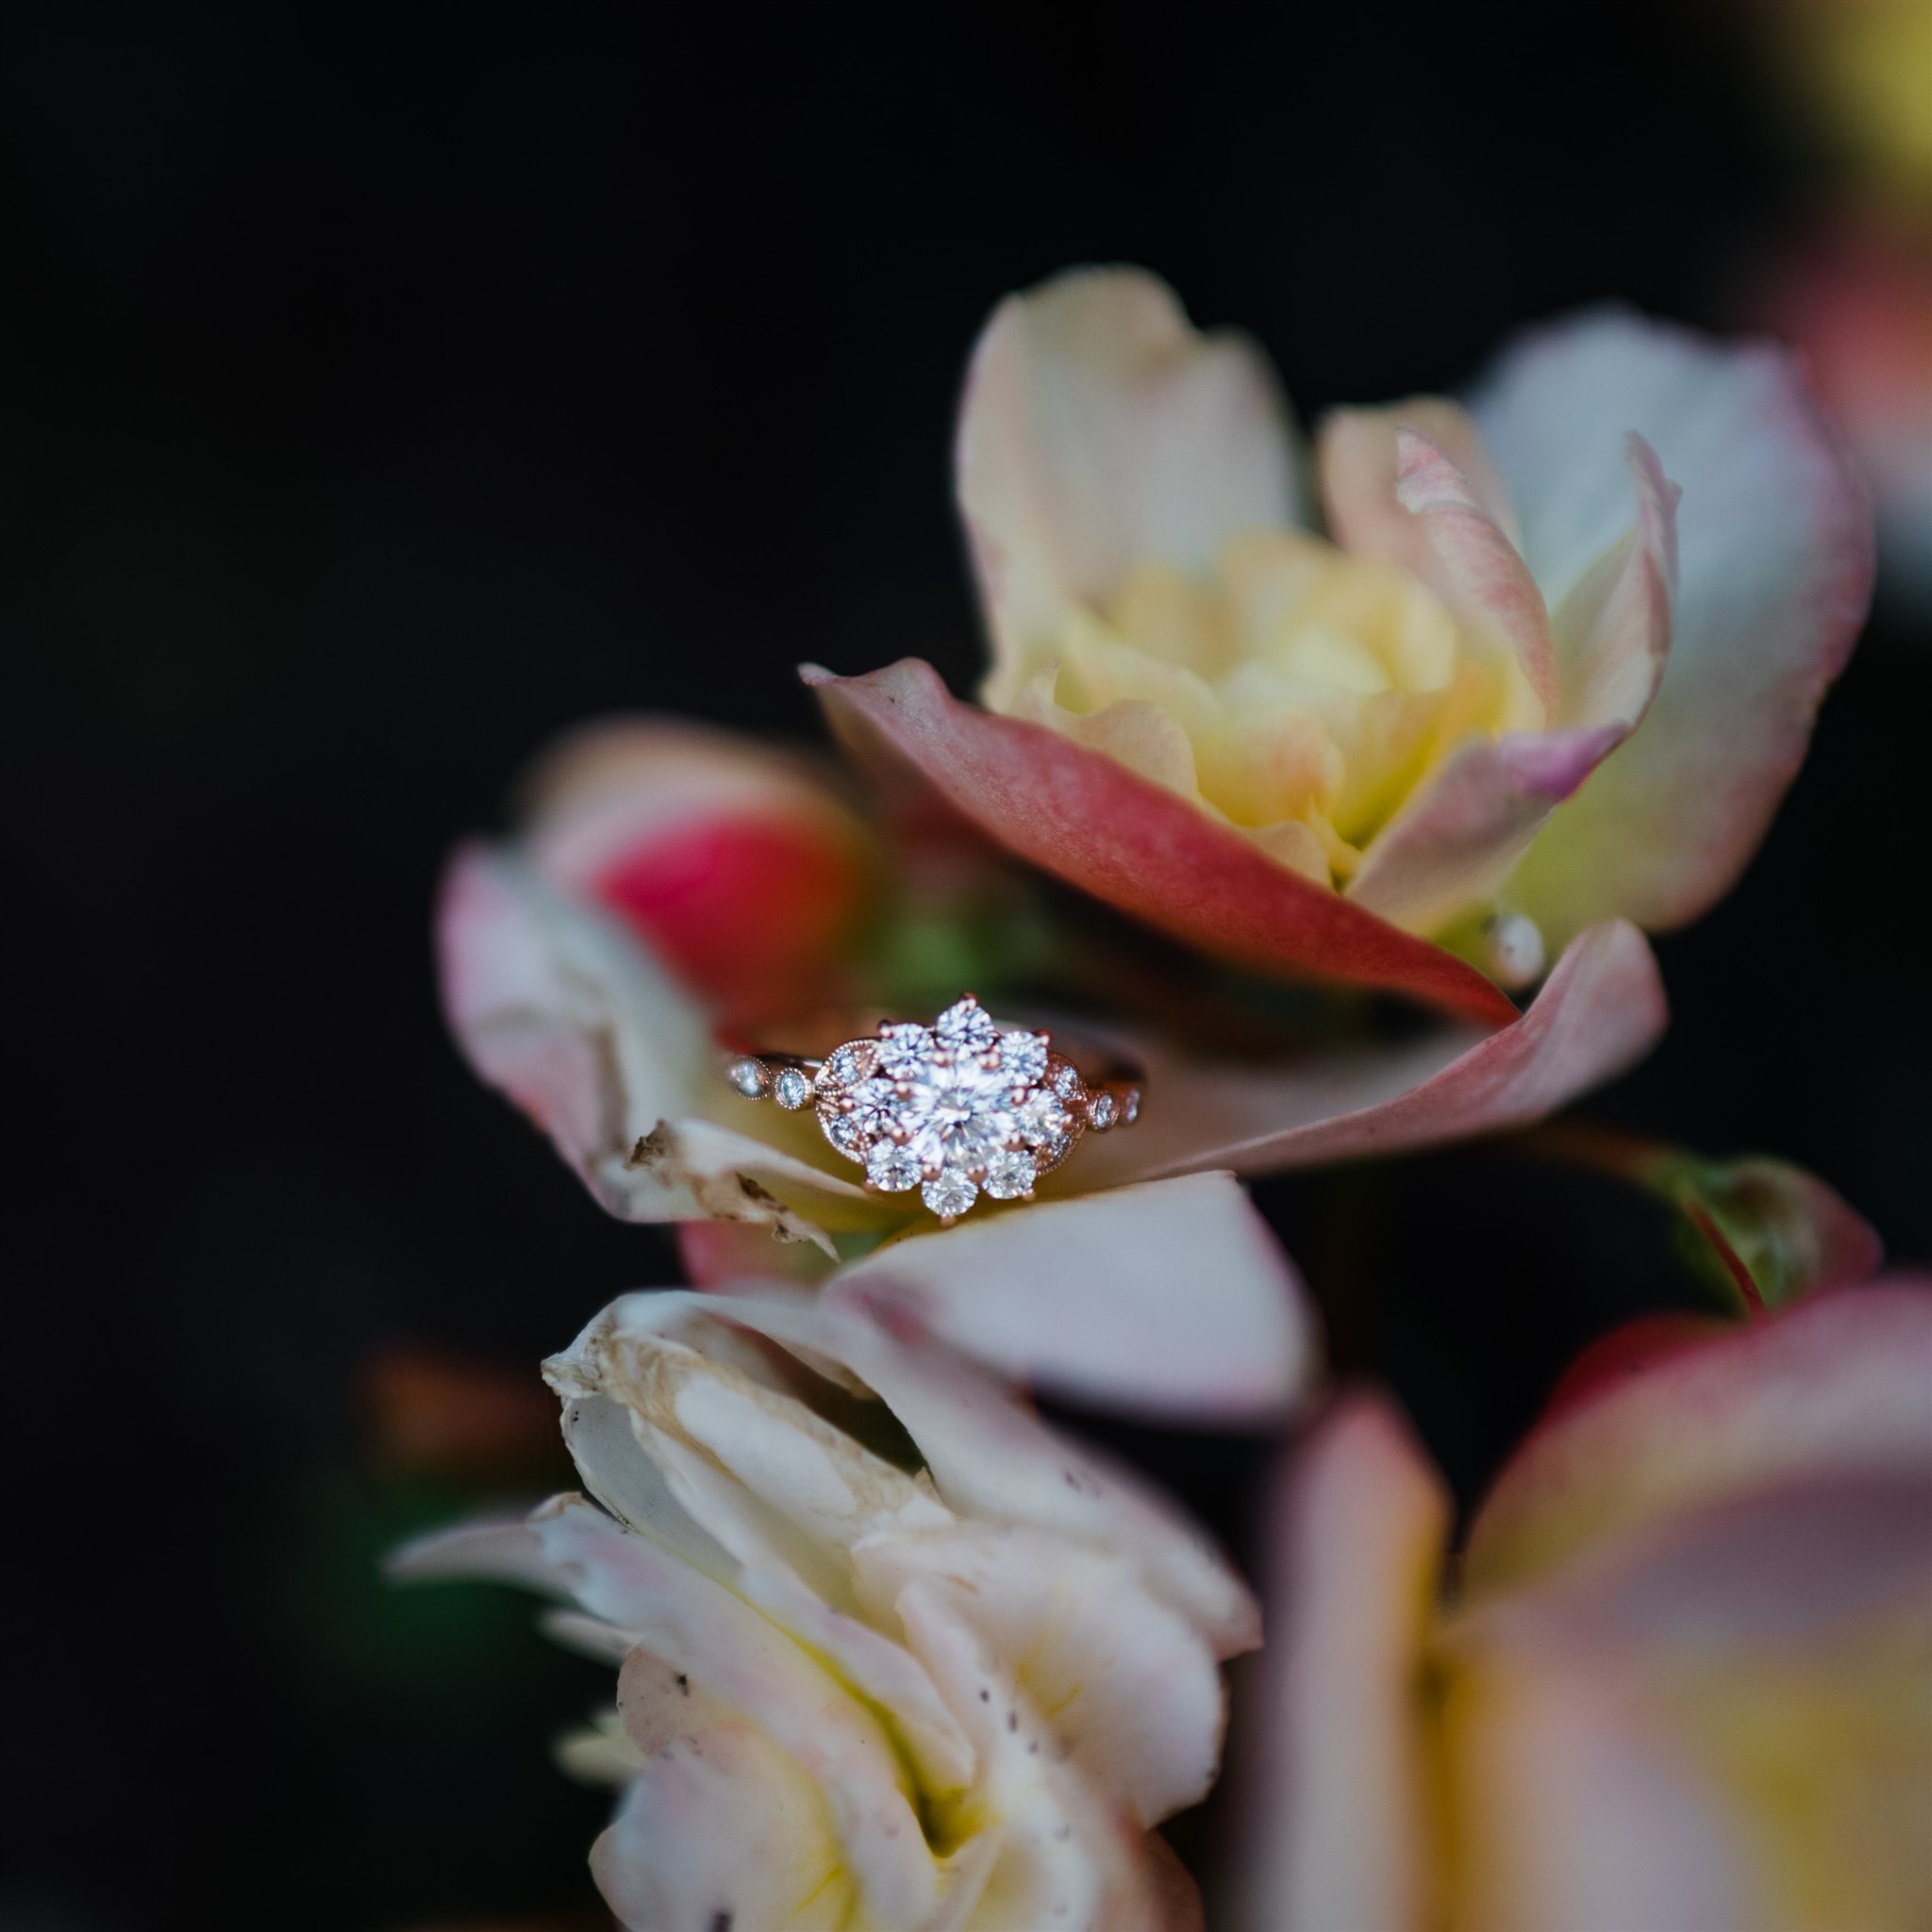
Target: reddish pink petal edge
{"x": 1092, "y": 823}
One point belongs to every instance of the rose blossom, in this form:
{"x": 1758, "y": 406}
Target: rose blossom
{"x": 1676, "y": 1678}
{"x": 892, "y": 1653}
{"x": 1518, "y": 689}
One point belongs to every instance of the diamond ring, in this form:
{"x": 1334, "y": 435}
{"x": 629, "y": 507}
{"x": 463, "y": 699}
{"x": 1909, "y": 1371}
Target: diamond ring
{"x": 958, "y": 1108}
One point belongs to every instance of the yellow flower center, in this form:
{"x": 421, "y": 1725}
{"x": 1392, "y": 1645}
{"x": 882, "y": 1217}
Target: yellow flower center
{"x": 1298, "y": 692}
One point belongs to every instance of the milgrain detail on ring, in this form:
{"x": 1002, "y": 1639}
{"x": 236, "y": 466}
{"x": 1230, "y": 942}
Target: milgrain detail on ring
{"x": 963, "y": 1107}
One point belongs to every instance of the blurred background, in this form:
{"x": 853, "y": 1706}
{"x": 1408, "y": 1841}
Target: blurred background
{"x": 381, "y": 391}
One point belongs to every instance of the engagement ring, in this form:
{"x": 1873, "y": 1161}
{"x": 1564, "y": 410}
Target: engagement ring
{"x": 958, "y": 1108}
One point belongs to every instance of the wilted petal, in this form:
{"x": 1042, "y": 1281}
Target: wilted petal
{"x": 676, "y": 1857}
{"x": 1098, "y": 431}
{"x": 1776, "y": 572}
{"x": 991, "y": 1458}
{"x": 1087, "y": 820}
{"x": 1122, "y": 1686}
{"x": 1601, "y": 1010}
{"x": 1169, "y": 1300}
{"x": 1837, "y": 1386}
{"x": 564, "y": 1012}
{"x": 1333, "y": 1831}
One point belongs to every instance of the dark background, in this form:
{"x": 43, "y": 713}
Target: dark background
{"x": 380, "y": 391}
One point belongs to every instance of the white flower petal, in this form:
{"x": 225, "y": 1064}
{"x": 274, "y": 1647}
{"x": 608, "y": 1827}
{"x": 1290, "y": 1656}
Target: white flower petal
{"x": 1169, "y": 1300}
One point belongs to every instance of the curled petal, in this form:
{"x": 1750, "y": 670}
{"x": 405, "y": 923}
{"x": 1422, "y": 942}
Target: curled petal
{"x": 1089, "y": 821}
{"x": 1458, "y": 841}
{"x": 1776, "y": 572}
{"x": 1098, "y": 430}
{"x": 1412, "y": 483}
{"x": 1453, "y": 846}
{"x": 1169, "y": 1300}
{"x": 988, "y": 1455}
{"x": 1332, "y": 1820}
{"x": 1841, "y": 1385}
{"x": 1121, "y": 1685}
{"x": 558, "y": 1007}
{"x": 1601, "y": 1010}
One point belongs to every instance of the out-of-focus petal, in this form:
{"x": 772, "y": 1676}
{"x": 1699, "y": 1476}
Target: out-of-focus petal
{"x": 565, "y": 1013}
{"x": 1169, "y": 1300}
{"x": 1761, "y": 1658}
{"x": 1601, "y": 1010}
{"x": 1333, "y": 1833}
{"x": 1836, "y": 1386}
{"x": 1775, "y": 572}
{"x": 1098, "y": 431}
{"x": 736, "y": 863}
{"x": 675, "y": 1854}
{"x": 1089, "y": 821}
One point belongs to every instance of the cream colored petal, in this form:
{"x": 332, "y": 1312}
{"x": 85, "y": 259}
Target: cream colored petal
{"x": 674, "y": 1859}
{"x": 557, "y": 1005}
{"x": 1172, "y": 1300}
{"x": 1333, "y": 1825}
{"x": 1124, "y": 1688}
{"x": 991, "y": 1458}
{"x": 1098, "y": 431}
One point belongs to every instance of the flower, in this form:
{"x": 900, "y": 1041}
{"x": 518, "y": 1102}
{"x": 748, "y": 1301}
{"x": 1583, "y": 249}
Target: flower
{"x": 1680, "y": 1680}
{"x": 1510, "y": 695}
{"x": 892, "y": 1653}
{"x": 556, "y": 1003}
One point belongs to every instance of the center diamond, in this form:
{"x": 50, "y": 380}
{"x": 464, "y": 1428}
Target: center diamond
{"x": 950, "y": 1110}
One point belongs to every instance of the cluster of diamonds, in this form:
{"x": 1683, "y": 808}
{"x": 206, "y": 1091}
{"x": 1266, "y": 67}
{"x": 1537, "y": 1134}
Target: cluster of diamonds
{"x": 956, "y": 1110}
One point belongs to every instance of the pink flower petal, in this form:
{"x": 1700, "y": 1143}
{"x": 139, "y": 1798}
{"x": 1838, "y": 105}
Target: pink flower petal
{"x": 1393, "y": 490}
{"x": 1456, "y": 843}
{"x": 1097, "y": 431}
{"x": 1837, "y": 1386}
{"x": 1332, "y": 1814}
{"x": 1775, "y": 575}
{"x": 1091, "y": 822}
{"x": 558, "y": 1007}
{"x": 1171, "y": 1301}
{"x": 1600, "y": 1012}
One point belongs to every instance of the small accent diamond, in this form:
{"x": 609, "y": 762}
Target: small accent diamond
{"x": 847, "y": 1065}
{"x": 749, "y": 1077}
{"x": 951, "y": 1193}
{"x": 793, "y": 1090}
{"x": 1043, "y": 1119}
{"x": 1130, "y": 1106}
{"x": 1103, "y": 1110}
{"x": 893, "y": 1169}
{"x": 1067, "y": 1084}
{"x": 1010, "y": 1175}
